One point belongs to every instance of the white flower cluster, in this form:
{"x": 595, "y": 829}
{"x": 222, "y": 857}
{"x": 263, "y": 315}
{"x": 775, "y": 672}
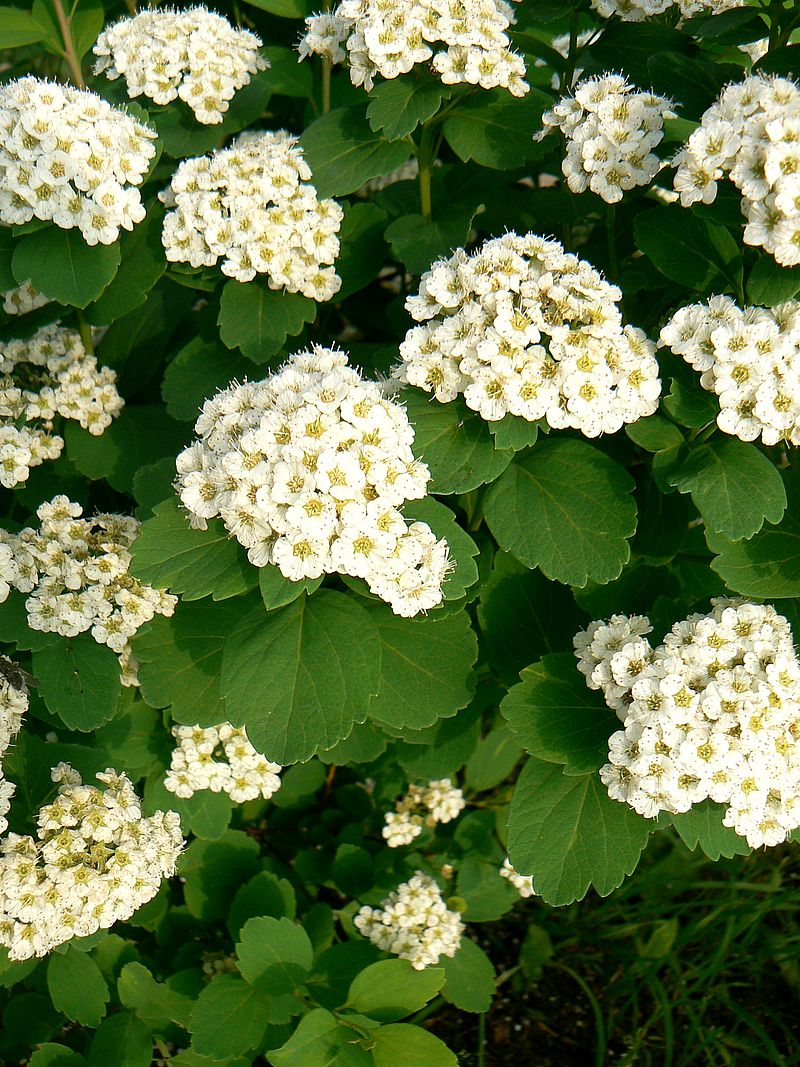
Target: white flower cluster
{"x": 751, "y": 135}
{"x": 465, "y": 41}
{"x": 68, "y": 155}
{"x": 639, "y": 10}
{"x": 44, "y": 376}
{"x": 220, "y": 758}
{"x": 193, "y": 54}
{"x": 308, "y": 470}
{"x": 523, "y": 883}
{"x": 75, "y": 572}
{"x": 95, "y": 860}
{"x": 750, "y": 359}
{"x": 23, "y": 299}
{"x": 713, "y": 712}
{"x": 252, "y": 206}
{"x": 521, "y": 327}
{"x": 414, "y": 923}
{"x": 13, "y": 705}
{"x": 423, "y": 805}
{"x": 611, "y": 129}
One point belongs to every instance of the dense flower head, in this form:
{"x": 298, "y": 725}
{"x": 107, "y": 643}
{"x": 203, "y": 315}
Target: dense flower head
{"x": 749, "y": 357}
{"x": 414, "y": 923}
{"x": 423, "y": 805}
{"x": 75, "y": 574}
{"x": 712, "y": 712}
{"x": 23, "y": 299}
{"x": 13, "y": 705}
{"x": 521, "y": 327}
{"x": 94, "y": 861}
{"x": 193, "y": 54}
{"x": 42, "y": 377}
{"x": 750, "y": 134}
{"x": 523, "y": 883}
{"x": 611, "y": 129}
{"x": 220, "y": 758}
{"x": 308, "y": 470}
{"x": 68, "y": 156}
{"x": 463, "y": 41}
{"x": 639, "y": 10}
{"x": 251, "y": 205}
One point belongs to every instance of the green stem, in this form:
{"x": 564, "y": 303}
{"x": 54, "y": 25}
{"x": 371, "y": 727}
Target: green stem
{"x": 482, "y": 1040}
{"x": 425, "y": 158}
{"x": 326, "y": 85}
{"x": 85, "y": 331}
{"x": 427, "y": 1011}
{"x": 69, "y": 53}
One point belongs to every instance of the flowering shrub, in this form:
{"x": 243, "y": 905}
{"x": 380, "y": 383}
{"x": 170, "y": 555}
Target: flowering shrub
{"x": 399, "y": 505}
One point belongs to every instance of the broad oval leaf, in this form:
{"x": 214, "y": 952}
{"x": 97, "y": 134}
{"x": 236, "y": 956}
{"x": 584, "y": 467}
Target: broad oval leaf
{"x": 60, "y": 264}
{"x": 344, "y": 153}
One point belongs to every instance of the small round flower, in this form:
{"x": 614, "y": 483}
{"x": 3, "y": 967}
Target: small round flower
{"x": 220, "y": 758}
{"x": 523, "y": 883}
{"x": 438, "y": 802}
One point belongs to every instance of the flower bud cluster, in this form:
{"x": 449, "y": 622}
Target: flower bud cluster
{"x": 75, "y": 574}
{"x": 712, "y": 712}
{"x": 423, "y": 805}
{"x": 750, "y": 134}
{"x": 193, "y": 54}
{"x": 611, "y": 129}
{"x": 521, "y": 327}
{"x": 44, "y": 376}
{"x": 523, "y": 883}
{"x": 639, "y": 10}
{"x": 68, "y": 156}
{"x": 23, "y": 299}
{"x": 465, "y": 41}
{"x": 308, "y": 470}
{"x": 750, "y": 359}
{"x": 251, "y": 206}
{"x": 13, "y": 705}
{"x": 220, "y": 758}
{"x": 414, "y": 923}
{"x": 95, "y": 860}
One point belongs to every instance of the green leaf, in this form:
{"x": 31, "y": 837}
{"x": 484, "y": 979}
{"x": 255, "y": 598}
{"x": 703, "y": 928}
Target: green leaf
{"x": 180, "y": 659}
{"x": 391, "y": 989}
{"x": 565, "y": 508}
{"x": 258, "y": 320}
{"x": 344, "y": 153}
{"x": 770, "y": 284}
{"x": 418, "y": 242}
{"x": 733, "y": 485}
{"x": 156, "y": 1004}
{"x": 274, "y": 955}
{"x": 18, "y": 28}
{"x": 737, "y": 26}
{"x": 199, "y": 371}
{"x": 493, "y": 760}
{"x": 567, "y": 833}
{"x": 277, "y": 591}
{"x": 76, "y": 987}
{"x": 398, "y": 106}
{"x": 463, "y": 549}
{"x": 286, "y": 9}
{"x": 442, "y": 749}
{"x": 133, "y": 739}
{"x": 122, "y": 1039}
{"x": 300, "y": 677}
{"x": 229, "y": 1018}
{"x": 455, "y": 443}
{"x": 264, "y": 894}
{"x": 557, "y": 717}
{"x": 52, "y": 1055}
{"x": 285, "y": 75}
{"x": 78, "y": 681}
{"x": 469, "y": 978}
{"x": 402, "y": 1045}
{"x": 514, "y": 432}
{"x": 363, "y": 744}
{"x": 496, "y": 130}
{"x": 426, "y": 667}
{"x": 690, "y": 405}
{"x": 195, "y": 563}
{"x": 684, "y": 247}
{"x": 142, "y": 264}
{"x": 362, "y": 246}
{"x": 487, "y": 896}
{"x": 311, "y": 1045}
{"x": 654, "y": 433}
{"x": 701, "y": 827}
{"x": 86, "y": 21}
{"x": 61, "y": 265}
{"x": 213, "y": 871}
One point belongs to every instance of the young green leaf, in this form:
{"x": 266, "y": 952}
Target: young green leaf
{"x": 274, "y": 955}
{"x": 391, "y": 989}
{"x": 397, "y": 107}
{"x": 402, "y": 1045}
{"x": 469, "y": 978}
{"x": 495, "y": 130}
{"x": 76, "y": 987}
{"x": 78, "y": 681}
{"x": 701, "y": 827}
{"x": 60, "y": 264}
{"x": 229, "y": 1018}
{"x": 344, "y": 153}
{"x": 258, "y": 320}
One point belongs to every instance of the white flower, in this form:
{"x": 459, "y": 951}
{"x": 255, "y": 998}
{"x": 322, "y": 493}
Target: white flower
{"x": 639, "y": 10}
{"x": 523, "y": 883}
{"x": 220, "y": 758}
{"x": 438, "y": 802}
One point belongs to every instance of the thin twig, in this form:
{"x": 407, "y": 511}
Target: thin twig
{"x": 69, "y": 53}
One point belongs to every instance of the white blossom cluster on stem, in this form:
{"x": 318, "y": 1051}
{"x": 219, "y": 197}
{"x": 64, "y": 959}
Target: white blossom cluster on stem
{"x": 308, "y": 470}
{"x": 74, "y": 573}
{"x": 414, "y": 923}
{"x": 423, "y": 805}
{"x": 749, "y": 357}
{"x": 251, "y": 205}
{"x": 611, "y": 129}
{"x": 463, "y": 41}
{"x": 23, "y": 299}
{"x": 220, "y": 758}
{"x": 13, "y": 705}
{"x": 94, "y": 861}
{"x": 750, "y": 134}
{"x": 193, "y": 54}
{"x": 68, "y": 156}
{"x": 47, "y": 375}
{"x": 523, "y": 883}
{"x": 639, "y": 10}
{"x": 521, "y": 327}
{"x": 712, "y": 712}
